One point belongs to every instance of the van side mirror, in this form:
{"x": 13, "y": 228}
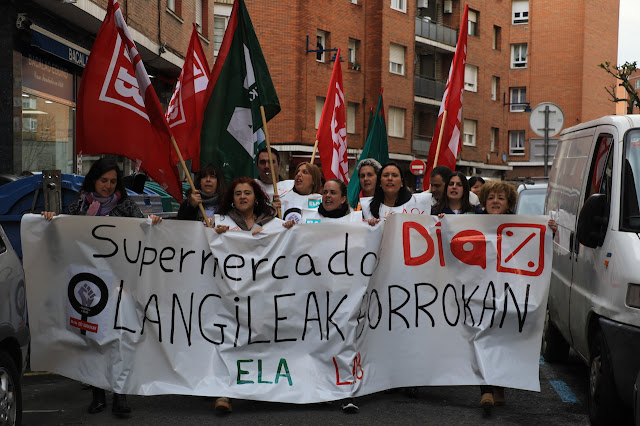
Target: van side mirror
{"x": 593, "y": 220}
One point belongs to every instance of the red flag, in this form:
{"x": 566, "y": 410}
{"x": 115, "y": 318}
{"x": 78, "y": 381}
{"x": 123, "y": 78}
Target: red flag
{"x": 186, "y": 108}
{"x": 450, "y": 144}
{"x": 118, "y": 110}
{"x": 332, "y": 130}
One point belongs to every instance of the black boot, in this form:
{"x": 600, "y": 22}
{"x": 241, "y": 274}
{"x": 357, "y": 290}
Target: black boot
{"x": 98, "y": 402}
{"x": 119, "y": 406}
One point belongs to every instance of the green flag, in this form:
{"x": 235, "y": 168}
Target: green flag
{"x": 376, "y": 147}
{"x": 240, "y": 83}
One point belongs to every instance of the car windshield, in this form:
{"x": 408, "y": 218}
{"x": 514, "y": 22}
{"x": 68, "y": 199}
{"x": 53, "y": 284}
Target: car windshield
{"x": 631, "y": 182}
{"x": 531, "y": 201}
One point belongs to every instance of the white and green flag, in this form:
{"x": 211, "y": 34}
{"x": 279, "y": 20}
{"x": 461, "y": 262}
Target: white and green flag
{"x": 240, "y": 83}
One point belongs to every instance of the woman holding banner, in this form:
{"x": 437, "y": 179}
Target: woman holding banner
{"x": 104, "y": 194}
{"x": 245, "y": 207}
{"x": 305, "y": 193}
{"x": 210, "y": 186}
{"x": 393, "y": 196}
{"x": 455, "y": 199}
{"x": 334, "y": 207}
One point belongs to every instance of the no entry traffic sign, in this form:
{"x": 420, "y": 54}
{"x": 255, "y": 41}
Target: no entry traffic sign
{"x": 417, "y": 167}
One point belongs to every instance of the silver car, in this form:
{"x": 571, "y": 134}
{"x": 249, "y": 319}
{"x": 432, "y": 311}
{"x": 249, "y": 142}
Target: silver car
{"x": 14, "y": 333}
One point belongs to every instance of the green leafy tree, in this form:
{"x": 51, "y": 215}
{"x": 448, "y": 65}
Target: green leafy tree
{"x": 622, "y": 73}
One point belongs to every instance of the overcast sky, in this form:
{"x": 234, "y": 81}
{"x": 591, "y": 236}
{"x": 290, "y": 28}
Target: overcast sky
{"x": 629, "y": 32}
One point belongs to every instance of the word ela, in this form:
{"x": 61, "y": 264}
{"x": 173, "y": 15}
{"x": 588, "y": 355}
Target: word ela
{"x": 282, "y": 366}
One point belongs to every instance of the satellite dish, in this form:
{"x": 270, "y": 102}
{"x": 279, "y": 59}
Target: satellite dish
{"x": 537, "y": 119}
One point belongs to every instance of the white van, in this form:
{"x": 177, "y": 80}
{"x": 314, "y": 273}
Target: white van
{"x": 594, "y": 298}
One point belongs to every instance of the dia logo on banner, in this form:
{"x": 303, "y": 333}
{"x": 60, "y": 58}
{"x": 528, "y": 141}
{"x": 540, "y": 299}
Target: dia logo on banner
{"x": 521, "y": 248}
{"x": 120, "y": 85}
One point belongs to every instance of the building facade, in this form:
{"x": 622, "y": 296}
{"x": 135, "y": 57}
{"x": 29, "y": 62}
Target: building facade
{"x": 520, "y": 53}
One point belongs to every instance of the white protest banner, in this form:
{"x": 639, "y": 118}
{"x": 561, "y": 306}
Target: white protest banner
{"x": 314, "y": 313}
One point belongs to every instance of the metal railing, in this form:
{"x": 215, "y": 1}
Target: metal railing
{"x": 436, "y": 32}
{"x": 429, "y": 88}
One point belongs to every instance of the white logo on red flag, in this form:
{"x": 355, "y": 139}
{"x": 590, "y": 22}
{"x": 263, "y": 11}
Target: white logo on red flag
{"x": 175, "y": 112}
{"x": 339, "y": 167}
{"x": 120, "y": 87}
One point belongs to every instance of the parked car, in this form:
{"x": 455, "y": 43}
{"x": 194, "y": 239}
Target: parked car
{"x": 14, "y": 333}
{"x": 531, "y": 196}
{"x": 594, "y": 294}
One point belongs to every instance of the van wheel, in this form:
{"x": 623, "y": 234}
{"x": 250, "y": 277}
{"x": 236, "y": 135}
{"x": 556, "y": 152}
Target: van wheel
{"x": 604, "y": 404}
{"x": 10, "y": 391}
{"x": 554, "y": 347}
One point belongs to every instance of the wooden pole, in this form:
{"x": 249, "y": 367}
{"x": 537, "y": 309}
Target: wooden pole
{"x": 315, "y": 148}
{"x": 188, "y": 175}
{"x": 266, "y": 138}
{"x": 444, "y": 118}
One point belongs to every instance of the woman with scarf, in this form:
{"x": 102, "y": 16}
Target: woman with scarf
{"x": 103, "y": 194}
{"x": 334, "y": 207}
{"x": 210, "y": 186}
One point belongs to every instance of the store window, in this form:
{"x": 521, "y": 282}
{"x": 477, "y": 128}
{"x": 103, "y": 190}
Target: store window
{"x": 47, "y": 117}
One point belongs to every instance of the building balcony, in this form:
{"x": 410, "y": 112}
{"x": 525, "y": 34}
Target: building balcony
{"x": 429, "y": 88}
{"x": 421, "y": 144}
{"x": 440, "y": 36}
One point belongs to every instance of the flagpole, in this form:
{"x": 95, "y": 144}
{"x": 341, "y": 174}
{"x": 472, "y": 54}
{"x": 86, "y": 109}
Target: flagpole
{"x": 188, "y": 175}
{"x": 266, "y": 138}
{"x": 315, "y": 148}
{"x": 444, "y": 118}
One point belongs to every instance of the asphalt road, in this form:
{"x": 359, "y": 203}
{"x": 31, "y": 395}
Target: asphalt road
{"x": 54, "y": 400}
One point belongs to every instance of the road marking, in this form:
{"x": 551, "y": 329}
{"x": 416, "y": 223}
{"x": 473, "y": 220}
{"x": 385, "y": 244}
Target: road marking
{"x": 562, "y": 389}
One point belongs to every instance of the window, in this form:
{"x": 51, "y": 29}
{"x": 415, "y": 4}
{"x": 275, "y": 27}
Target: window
{"x": 473, "y": 22}
{"x": 219, "y": 25}
{"x": 637, "y": 84}
{"x": 175, "y": 6}
{"x": 469, "y": 132}
{"x": 354, "y": 1}
{"x": 319, "y": 106}
{"x": 352, "y": 109}
{"x": 517, "y": 99}
{"x": 471, "y": 78}
{"x": 497, "y": 38}
{"x": 519, "y": 55}
{"x": 354, "y": 47}
{"x": 516, "y": 142}
{"x": 520, "y": 11}
{"x": 396, "y": 59}
{"x": 321, "y": 42}
{"x": 199, "y": 15}
{"x": 495, "y": 87}
{"x": 495, "y": 132}
{"x": 396, "y": 122}
{"x": 202, "y": 17}
{"x": 400, "y": 5}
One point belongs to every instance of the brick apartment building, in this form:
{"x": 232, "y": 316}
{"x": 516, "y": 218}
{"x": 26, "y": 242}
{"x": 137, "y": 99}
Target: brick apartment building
{"x": 520, "y": 53}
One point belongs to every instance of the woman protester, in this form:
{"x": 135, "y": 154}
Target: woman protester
{"x": 210, "y": 186}
{"x": 455, "y": 199}
{"x": 498, "y": 197}
{"x": 393, "y": 196}
{"x": 368, "y": 175}
{"x": 475, "y": 184}
{"x": 305, "y": 193}
{"x": 334, "y": 206}
{"x": 104, "y": 194}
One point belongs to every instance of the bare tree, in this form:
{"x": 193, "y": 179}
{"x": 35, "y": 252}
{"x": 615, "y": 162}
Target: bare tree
{"x": 622, "y": 73}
